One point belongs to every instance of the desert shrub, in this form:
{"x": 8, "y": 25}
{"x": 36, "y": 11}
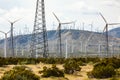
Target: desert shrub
{"x": 114, "y": 78}
{"x": 1, "y": 62}
{"x": 103, "y": 71}
{"x": 115, "y": 62}
{"x": 54, "y": 61}
{"x": 19, "y": 73}
{"x": 80, "y": 63}
{"x": 54, "y": 71}
{"x": 78, "y": 60}
{"x": 15, "y": 61}
{"x": 94, "y": 60}
{"x": 50, "y": 61}
{"x": 29, "y": 61}
{"x": 60, "y": 60}
{"x": 112, "y": 62}
{"x": 71, "y": 66}
{"x": 117, "y": 73}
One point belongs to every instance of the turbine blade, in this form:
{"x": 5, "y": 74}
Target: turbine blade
{"x": 16, "y": 20}
{"x": 103, "y": 17}
{"x": 2, "y": 32}
{"x": 8, "y": 31}
{"x": 56, "y": 17}
{"x": 67, "y": 23}
{"x": 114, "y": 24}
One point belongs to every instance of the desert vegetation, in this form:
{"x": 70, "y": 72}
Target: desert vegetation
{"x": 54, "y": 71}
{"x": 60, "y": 68}
{"x": 20, "y": 73}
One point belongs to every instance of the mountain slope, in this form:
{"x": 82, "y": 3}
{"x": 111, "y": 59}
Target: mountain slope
{"x": 115, "y": 32}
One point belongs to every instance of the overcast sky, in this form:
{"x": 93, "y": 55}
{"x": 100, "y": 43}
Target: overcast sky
{"x": 67, "y": 10}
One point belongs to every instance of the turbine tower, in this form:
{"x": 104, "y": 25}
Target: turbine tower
{"x": 11, "y": 37}
{"x": 59, "y": 34}
{"x": 106, "y": 28}
{"x": 5, "y": 43}
{"x": 39, "y": 44}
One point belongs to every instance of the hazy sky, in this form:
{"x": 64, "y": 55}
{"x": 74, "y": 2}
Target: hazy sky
{"x": 67, "y": 10}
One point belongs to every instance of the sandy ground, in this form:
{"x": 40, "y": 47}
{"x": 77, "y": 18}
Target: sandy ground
{"x": 82, "y": 75}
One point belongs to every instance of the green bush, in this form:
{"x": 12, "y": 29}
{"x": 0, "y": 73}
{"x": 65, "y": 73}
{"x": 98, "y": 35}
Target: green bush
{"x": 80, "y": 63}
{"x": 54, "y": 61}
{"x": 71, "y": 66}
{"x": 20, "y": 73}
{"x": 111, "y": 61}
{"x": 54, "y": 71}
{"x": 115, "y": 62}
{"x": 94, "y": 60}
{"x": 50, "y": 61}
{"x": 1, "y": 62}
{"x": 103, "y": 71}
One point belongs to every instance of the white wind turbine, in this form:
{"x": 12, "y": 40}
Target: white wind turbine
{"x": 11, "y": 35}
{"x": 5, "y": 43}
{"x": 59, "y": 33}
{"x": 106, "y": 28}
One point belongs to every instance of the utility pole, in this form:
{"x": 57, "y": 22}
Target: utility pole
{"x": 5, "y": 43}
{"x": 39, "y": 43}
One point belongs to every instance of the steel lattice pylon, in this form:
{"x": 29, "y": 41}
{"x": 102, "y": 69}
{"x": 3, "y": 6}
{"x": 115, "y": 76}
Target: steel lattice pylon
{"x": 39, "y": 44}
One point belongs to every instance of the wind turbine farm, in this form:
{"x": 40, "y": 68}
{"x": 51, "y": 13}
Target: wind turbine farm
{"x": 60, "y": 40}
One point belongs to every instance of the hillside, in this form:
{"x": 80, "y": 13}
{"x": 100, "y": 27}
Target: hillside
{"x": 77, "y": 41}
{"x": 115, "y": 32}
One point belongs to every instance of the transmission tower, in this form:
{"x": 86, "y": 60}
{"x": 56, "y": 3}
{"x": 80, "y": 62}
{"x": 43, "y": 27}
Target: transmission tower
{"x": 39, "y": 44}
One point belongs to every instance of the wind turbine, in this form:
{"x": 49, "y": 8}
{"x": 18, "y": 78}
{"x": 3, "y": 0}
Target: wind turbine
{"x": 5, "y": 43}
{"x": 11, "y": 36}
{"x": 86, "y": 44}
{"x": 83, "y": 25}
{"x": 81, "y": 44}
{"x": 106, "y": 28}
{"x": 91, "y": 25}
{"x": 66, "y": 52}
{"x": 59, "y": 33}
